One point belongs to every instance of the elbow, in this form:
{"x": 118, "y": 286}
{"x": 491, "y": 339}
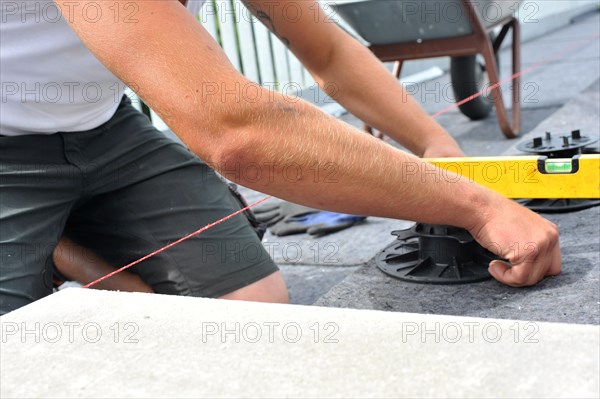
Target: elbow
{"x": 237, "y": 135}
{"x": 252, "y": 140}
{"x": 240, "y": 155}
{"x": 233, "y": 138}
{"x": 231, "y": 151}
{"x": 216, "y": 126}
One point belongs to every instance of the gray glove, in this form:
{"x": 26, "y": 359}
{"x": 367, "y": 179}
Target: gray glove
{"x": 285, "y": 218}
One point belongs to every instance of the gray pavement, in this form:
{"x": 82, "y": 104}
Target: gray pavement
{"x": 307, "y": 283}
{"x": 545, "y": 91}
{"x": 581, "y": 112}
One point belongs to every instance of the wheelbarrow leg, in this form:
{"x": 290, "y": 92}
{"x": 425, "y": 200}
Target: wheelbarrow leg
{"x": 510, "y": 130}
{"x": 516, "y": 69}
{"x": 397, "y": 68}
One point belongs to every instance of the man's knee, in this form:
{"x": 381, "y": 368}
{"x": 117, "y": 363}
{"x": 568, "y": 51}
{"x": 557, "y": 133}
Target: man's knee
{"x": 269, "y": 289}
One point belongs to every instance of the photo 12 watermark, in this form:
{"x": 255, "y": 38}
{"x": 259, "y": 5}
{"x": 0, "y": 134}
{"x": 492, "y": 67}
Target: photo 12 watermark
{"x": 66, "y": 92}
{"x": 69, "y": 332}
{"x": 424, "y": 11}
{"x": 89, "y": 11}
{"x": 469, "y": 331}
{"x": 269, "y": 332}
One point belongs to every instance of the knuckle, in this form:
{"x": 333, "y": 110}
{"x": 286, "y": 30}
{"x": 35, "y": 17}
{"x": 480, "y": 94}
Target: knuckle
{"x": 553, "y": 229}
{"x": 552, "y": 237}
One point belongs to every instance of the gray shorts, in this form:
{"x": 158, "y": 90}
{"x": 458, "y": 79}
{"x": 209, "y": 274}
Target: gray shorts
{"x": 122, "y": 190}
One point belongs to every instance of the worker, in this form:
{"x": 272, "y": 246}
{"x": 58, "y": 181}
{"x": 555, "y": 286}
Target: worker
{"x": 79, "y": 161}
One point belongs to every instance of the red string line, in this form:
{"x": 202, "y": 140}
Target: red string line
{"x": 537, "y": 65}
{"x": 532, "y": 68}
{"x": 195, "y": 233}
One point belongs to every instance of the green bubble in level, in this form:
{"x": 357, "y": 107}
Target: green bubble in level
{"x": 558, "y": 167}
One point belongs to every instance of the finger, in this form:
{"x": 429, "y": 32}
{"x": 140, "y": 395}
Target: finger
{"x": 501, "y": 271}
{"x": 286, "y": 229}
{"x": 268, "y": 217}
{"x": 556, "y": 262}
{"x": 288, "y": 208}
{"x": 307, "y": 218}
{"x": 554, "y": 254}
{"x": 517, "y": 275}
{"x": 323, "y": 229}
{"x": 541, "y": 264}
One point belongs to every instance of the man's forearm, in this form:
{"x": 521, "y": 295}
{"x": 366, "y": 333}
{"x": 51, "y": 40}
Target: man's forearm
{"x": 352, "y": 75}
{"x": 296, "y": 152}
{"x": 370, "y": 92}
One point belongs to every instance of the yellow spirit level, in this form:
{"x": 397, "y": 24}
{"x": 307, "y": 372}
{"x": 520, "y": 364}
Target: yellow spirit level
{"x": 530, "y": 176}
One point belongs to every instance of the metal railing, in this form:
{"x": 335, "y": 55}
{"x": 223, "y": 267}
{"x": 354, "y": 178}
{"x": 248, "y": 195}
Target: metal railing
{"x": 253, "y": 50}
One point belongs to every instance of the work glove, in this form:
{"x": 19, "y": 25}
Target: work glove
{"x": 285, "y": 218}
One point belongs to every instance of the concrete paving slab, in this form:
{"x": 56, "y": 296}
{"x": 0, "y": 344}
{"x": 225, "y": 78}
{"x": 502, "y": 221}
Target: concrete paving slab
{"x": 534, "y": 27}
{"x": 107, "y": 344}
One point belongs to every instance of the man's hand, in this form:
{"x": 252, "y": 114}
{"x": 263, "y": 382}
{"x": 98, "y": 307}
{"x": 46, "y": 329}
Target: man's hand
{"x": 524, "y": 238}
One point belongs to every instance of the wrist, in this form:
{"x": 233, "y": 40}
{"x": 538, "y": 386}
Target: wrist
{"x": 439, "y": 141}
{"x": 443, "y": 148}
{"x": 480, "y": 207}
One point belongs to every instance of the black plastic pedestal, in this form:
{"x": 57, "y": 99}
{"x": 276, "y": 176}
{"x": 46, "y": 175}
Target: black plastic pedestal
{"x": 435, "y": 254}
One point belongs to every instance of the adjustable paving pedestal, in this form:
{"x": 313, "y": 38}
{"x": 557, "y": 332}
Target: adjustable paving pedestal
{"x": 558, "y": 146}
{"x": 435, "y": 254}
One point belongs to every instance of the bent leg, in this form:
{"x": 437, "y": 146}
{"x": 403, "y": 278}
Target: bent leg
{"x": 269, "y": 289}
{"x": 80, "y": 264}
{"x": 166, "y": 194}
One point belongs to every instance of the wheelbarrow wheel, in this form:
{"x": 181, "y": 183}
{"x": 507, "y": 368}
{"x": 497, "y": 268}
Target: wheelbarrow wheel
{"x": 469, "y": 76}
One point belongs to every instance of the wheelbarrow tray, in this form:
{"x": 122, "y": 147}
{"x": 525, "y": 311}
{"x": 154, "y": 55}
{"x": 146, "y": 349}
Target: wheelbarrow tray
{"x": 382, "y": 22}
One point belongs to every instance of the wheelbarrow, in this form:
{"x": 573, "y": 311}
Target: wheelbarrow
{"x": 400, "y": 30}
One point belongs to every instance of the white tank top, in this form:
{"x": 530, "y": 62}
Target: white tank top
{"x": 50, "y": 82}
